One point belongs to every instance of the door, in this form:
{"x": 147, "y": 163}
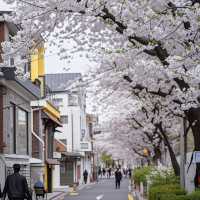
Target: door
{"x": 67, "y": 173}
{"x": 49, "y": 177}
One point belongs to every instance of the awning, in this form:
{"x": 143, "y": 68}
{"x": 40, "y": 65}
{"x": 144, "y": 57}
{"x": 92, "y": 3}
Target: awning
{"x": 36, "y": 162}
{"x": 52, "y": 162}
{"x": 72, "y": 154}
{"x": 49, "y": 116}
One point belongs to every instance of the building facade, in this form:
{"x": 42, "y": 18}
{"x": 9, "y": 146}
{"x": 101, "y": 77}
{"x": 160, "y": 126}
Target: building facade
{"x": 71, "y": 100}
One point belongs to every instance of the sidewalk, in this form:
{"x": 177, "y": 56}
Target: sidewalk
{"x": 58, "y": 195}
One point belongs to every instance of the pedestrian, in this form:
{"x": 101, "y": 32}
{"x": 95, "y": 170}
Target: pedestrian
{"x": 129, "y": 173}
{"x": 16, "y": 186}
{"x": 85, "y": 176}
{"x": 39, "y": 189}
{"x": 0, "y": 191}
{"x": 109, "y": 173}
{"x": 118, "y": 178}
{"x": 104, "y": 172}
{"x": 100, "y": 172}
{"x": 38, "y": 184}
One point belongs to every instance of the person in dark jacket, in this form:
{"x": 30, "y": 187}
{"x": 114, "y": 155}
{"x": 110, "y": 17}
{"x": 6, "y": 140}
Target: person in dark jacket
{"x": 85, "y": 176}
{"x": 16, "y": 186}
{"x": 118, "y": 178}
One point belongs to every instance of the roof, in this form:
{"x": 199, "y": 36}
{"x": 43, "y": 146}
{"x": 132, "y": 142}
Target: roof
{"x": 53, "y": 119}
{"x": 72, "y": 154}
{"x": 60, "y": 82}
{"x": 30, "y": 87}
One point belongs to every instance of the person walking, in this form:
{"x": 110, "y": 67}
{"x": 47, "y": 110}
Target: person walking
{"x": 109, "y": 173}
{"x": 85, "y": 176}
{"x": 16, "y": 186}
{"x": 100, "y": 172}
{"x": 104, "y": 172}
{"x": 118, "y": 178}
{"x": 129, "y": 173}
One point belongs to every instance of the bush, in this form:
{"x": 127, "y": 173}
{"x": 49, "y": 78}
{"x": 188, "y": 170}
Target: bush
{"x": 140, "y": 174}
{"x": 173, "y": 197}
{"x": 158, "y": 192}
{"x": 192, "y": 196}
{"x": 163, "y": 177}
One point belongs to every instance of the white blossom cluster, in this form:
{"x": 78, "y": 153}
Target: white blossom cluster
{"x": 148, "y": 49}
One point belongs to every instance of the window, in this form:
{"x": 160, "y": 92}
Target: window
{"x": 13, "y": 125}
{"x": 58, "y": 101}
{"x": 11, "y": 62}
{"x": 19, "y": 130}
{"x": 73, "y": 100}
{"x": 22, "y": 132}
{"x": 64, "y": 119}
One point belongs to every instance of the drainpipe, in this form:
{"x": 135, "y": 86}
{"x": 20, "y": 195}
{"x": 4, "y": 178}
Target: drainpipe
{"x": 32, "y": 130}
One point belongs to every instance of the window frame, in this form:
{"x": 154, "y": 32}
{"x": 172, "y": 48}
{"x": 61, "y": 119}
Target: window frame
{"x": 15, "y": 118}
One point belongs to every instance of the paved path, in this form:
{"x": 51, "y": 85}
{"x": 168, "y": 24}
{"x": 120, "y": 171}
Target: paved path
{"x": 104, "y": 190}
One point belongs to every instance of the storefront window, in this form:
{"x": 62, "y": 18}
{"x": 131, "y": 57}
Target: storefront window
{"x": 22, "y": 132}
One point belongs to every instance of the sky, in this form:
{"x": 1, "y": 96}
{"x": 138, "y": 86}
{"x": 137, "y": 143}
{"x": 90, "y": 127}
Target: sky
{"x": 4, "y": 6}
{"x": 55, "y": 65}
{"x": 52, "y": 61}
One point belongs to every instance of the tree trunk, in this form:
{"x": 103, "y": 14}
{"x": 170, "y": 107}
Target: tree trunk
{"x": 174, "y": 161}
{"x": 193, "y": 116}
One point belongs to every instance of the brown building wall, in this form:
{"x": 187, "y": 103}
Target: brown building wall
{"x": 1, "y": 95}
{"x": 2, "y": 36}
{"x": 1, "y": 123}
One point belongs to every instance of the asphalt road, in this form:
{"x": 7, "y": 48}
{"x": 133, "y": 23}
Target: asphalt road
{"x": 104, "y": 190}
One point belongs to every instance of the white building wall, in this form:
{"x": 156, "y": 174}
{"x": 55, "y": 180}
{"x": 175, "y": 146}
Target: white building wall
{"x": 71, "y": 132}
{"x": 56, "y": 177}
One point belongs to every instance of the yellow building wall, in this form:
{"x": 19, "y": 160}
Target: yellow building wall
{"x": 41, "y": 63}
{"x": 38, "y": 68}
{"x": 34, "y": 66}
{"x": 45, "y": 178}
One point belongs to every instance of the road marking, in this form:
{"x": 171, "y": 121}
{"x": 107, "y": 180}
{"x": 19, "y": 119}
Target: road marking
{"x": 100, "y": 197}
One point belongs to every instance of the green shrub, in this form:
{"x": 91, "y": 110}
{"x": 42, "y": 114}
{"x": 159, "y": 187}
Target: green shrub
{"x": 173, "y": 197}
{"x": 140, "y": 174}
{"x": 194, "y": 196}
{"x": 164, "y": 177}
{"x": 158, "y": 192}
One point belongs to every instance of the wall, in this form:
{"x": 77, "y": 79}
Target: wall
{"x": 17, "y": 99}
{"x": 2, "y": 27}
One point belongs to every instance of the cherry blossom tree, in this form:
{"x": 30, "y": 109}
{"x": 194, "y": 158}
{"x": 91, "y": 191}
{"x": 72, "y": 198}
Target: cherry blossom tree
{"x": 152, "y": 45}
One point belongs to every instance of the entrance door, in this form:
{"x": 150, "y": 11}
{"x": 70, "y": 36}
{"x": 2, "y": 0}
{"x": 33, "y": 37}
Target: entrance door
{"x": 67, "y": 173}
{"x": 78, "y": 172}
{"x": 49, "y": 177}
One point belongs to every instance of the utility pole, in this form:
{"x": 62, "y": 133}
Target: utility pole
{"x": 183, "y": 154}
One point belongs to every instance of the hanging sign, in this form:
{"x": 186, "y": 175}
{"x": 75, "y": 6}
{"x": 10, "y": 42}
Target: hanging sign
{"x": 196, "y": 157}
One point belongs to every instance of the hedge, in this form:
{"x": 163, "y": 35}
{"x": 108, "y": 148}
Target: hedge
{"x": 192, "y": 196}
{"x": 157, "y": 192}
{"x": 140, "y": 174}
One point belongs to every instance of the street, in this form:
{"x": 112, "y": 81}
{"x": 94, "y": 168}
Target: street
{"x": 104, "y": 190}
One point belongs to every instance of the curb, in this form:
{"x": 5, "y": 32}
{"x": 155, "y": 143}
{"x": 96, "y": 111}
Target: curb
{"x": 61, "y": 195}
{"x": 84, "y": 186}
{"x": 130, "y": 197}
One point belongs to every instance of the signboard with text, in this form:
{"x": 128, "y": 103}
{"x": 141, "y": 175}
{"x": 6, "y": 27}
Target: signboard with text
{"x": 196, "y": 157}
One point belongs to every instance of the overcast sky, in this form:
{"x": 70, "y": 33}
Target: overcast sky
{"x": 55, "y": 65}
{"x": 52, "y": 61}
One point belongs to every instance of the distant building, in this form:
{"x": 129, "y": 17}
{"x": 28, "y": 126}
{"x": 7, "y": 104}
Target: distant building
{"x": 71, "y": 100}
